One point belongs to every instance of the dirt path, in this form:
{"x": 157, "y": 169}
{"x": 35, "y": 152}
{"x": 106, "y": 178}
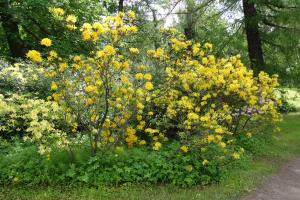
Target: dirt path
{"x": 283, "y": 186}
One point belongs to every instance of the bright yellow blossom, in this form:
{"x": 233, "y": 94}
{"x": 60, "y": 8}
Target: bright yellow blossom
{"x": 184, "y": 149}
{"x": 53, "y": 86}
{"x": 46, "y": 42}
{"x": 142, "y": 142}
{"x": 34, "y": 55}
{"x": 236, "y": 156}
{"x": 205, "y": 162}
{"x": 57, "y": 11}
{"x": 148, "y": 77}
{"x": 148, "y": 86}
{"x": 139, "y": 76}
{"x": 134, "y": 50}
{"x": 131, "y": 15}
{"x": 90, "y": 89}
{"x": 71, "y": 19}
{"x": 157, "y": 146}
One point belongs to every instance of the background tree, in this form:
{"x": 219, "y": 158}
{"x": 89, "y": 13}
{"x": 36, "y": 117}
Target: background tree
{"x": 11, "y": 30}
{"x": 24, "y": 23}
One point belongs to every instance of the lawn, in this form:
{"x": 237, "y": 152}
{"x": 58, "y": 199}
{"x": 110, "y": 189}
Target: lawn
{"x": 239, "y": 181}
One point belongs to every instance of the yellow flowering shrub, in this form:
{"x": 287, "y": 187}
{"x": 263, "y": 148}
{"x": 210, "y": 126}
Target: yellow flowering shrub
{"x": 116, "y": 96}
{"x": 104, "y": 90}
{"x": 210, "y": 101}
{"x": 34, "y": 119}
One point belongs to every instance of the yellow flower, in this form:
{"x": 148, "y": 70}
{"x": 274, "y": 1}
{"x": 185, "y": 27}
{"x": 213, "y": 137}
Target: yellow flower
{"x": 193, "y": 116}
{"x": 77, "y": 58}
{"x": 208, "y": 46}
{"x": 249, "y": 135}
{"x": 71, "y": 19}
{"x": 159, "y": 53}
{"x": 131, "y": 15}
{"x": 242, "y": 150}
{"x": 34, "y": 55}
{"x": 205, "y": 162}
{"x": 205, "y": 61}
{"x": 140, "y": 106}
{"x": 222, "y": 144}
{"x": 90, "y": 89}
{"x": 100, "y": 53}
{"x": 210, "y": 138}
{"x": 125, "y": 79}
{"x": 219, "y": 130}
{"x": 184, "y": 148}
{"x": 142, "y": 142}
{"x": 110, "y": 50}
{"x": 189, "y": 168}
{"x": 62, "y": 67}
{"x": 15, "y": 179}
{"x": 156, "y": 146}
{"x": 148, "y": 77}
{"x": 150, "y": 113}
{"x": 148, "y": 86}
{"x": 46, "y": 42}
{"x": 57, "y": 11}
{"x": 151, "y": 131}
{"x": 111, "y": 139}
{"x": 134, "y": 50}
{"x": 53, "y": 54}
{"x": 53, "y": 86}
{"x": 89, "y": 101}
{"x": 139, "y": 76}
{"x": 236, "y": 156}
{"x": 71, "y": 26}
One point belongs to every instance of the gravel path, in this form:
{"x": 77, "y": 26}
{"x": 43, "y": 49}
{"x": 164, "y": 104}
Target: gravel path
{"x": 283, "y": 186}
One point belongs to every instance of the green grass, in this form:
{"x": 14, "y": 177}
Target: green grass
{"x": 239, "y": 181}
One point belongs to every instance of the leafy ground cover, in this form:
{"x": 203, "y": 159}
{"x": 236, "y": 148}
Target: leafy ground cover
{"x": 239, "y": 180}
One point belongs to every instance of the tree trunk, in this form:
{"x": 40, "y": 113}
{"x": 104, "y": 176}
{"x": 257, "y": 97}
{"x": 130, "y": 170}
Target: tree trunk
{"x": 121, "y": 6}
{"x": 189, "y": 29}
{"x": 255, "y": 51}
{"x": 11, "y": 30}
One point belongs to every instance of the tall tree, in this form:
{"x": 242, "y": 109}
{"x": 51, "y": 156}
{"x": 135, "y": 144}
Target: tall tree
{"x": 11, "y": 29}
{"x": 121, "y": 5}
{"x": 190, "y": 19}
{"x": 255, "y": 51}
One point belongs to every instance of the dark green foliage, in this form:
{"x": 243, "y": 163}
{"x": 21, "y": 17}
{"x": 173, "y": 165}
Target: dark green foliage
{"x": 23, "y": 165}
{"x": 35, "y": 22}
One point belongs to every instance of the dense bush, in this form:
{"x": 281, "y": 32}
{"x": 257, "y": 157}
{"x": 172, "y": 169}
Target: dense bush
{"x": 287, "y": 107}
{"x": 177, "y": 114}
{"x": 33, "y": 119}
{"x": 23, "y": 78}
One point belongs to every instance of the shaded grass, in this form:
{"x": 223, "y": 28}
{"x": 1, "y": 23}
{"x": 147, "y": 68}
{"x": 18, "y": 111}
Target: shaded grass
{"x": 239, "y": 180}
